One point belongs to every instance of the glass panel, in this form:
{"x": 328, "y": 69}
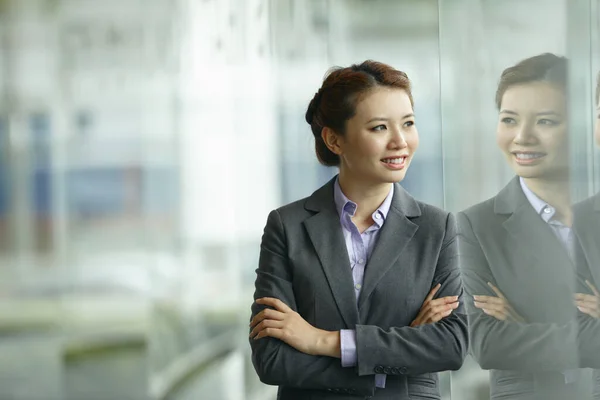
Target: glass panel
{"x": 594, "y": 142}
{"x": 478, "y": 40}
{"x": 144, "y": 142}
{"x": 340, "y": 35}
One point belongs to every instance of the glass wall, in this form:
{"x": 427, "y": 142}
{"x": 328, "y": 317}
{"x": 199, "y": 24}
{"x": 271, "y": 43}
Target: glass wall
{"x": 143, "y": 144}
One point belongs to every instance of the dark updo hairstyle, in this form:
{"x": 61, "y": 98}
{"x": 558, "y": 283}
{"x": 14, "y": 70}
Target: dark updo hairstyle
{"x": 336, "y": 101}
{"x": 545, "y": 67}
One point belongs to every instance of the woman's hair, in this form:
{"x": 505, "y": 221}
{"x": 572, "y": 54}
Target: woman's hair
{"x": 335, "y": 102}
{"x": 545, "y": 67}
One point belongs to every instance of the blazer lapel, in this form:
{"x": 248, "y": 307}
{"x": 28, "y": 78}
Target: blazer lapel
{"x": 396, "y": 233}
{"x": 325, "y": 232}
{"x": 588, "y": 234}
{"x": 532, "y": 234}
{"x": 593, "y": 262}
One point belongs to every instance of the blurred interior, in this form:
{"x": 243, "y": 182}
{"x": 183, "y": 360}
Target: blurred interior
{"x": 143, "y": 143}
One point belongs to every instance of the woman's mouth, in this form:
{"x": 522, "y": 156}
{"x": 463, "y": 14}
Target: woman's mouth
{"x": 528, "y": 158}
{"x": 394, "y": 163}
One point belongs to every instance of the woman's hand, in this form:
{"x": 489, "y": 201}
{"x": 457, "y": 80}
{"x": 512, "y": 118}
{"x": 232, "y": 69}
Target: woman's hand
{"x": 434, "y": 310}
{"x": 285, "y": 324}
{"x": 497, "y": 307}
{"x": 587, "y": 303}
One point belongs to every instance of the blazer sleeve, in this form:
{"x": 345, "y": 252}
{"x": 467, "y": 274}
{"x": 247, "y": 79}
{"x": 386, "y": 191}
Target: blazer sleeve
{"x": 509, "y": 345}
{"x": 589, "y": 330}
{"x": 428, "y": 348}
{"x": 588, "y": 340}
{"x": 275, "y": 362}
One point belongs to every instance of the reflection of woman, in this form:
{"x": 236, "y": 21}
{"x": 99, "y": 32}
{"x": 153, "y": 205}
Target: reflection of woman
{"x": 519, "y": 252}
{"x": 587, "y": 225}
{"x": 359, "y": 271}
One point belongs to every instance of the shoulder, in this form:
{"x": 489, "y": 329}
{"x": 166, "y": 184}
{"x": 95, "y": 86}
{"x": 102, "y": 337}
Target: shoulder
{"x": 432, "y": 214}
{"x": 293, "y": 210}
{"x": 586, "y": 206}
{"x": 321, "y": 199}
{"x": 478, "y": 213}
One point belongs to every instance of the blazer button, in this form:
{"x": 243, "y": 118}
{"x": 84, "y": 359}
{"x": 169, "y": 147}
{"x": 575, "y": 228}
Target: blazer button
{"x": 379, "y": 369}
{"x": 396, "y": 371}
{"x": 387, "y": 370}
{"x": 403, "y": 370}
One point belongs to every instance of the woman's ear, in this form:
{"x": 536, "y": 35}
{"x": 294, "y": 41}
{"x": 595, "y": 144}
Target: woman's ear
{"x": 332, "y": 140}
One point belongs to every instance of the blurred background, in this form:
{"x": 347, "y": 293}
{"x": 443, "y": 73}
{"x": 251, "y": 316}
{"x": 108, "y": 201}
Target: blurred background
{"x": 143, "y": 143}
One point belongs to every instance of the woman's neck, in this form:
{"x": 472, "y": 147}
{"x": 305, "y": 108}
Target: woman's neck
{"x": 557, "y": 193}
{"x": 367, "y": 196}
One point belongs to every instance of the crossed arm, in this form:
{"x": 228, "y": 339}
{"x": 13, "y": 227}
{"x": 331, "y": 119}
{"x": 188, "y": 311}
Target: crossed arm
{"x": 503, "y": 339}
{"x": 287, "y": 350}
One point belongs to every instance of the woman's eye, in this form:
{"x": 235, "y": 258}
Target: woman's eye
{"x": 379, "y": 128}
{"x": 508, "y": 120}
{"x": 548, "y": 122}
{"x": 409, "y": 123}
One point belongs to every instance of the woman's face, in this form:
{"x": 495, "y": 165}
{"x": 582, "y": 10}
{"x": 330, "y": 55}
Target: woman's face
{"x": 532, "y": 130}
{"x": 380, "y": 138}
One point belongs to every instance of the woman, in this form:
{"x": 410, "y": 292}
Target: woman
{"x": 587, "y": 226}
{"x": 519, "y": 254}
{"x": 358, "y": 289}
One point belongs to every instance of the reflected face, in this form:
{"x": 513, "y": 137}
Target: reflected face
{"x": 380, "y": 138}
{"x": 532, "y": 130}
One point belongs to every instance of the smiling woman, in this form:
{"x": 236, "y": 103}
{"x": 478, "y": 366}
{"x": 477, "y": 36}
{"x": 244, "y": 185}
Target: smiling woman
{"x": 532, "y": 127}
{"x": 522, "y": 262}
{"x": 334, "y": 267}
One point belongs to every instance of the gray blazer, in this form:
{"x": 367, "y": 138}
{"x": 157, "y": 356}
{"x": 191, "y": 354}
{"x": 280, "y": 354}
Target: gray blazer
{"x": 587, "y": 226}
{"x": 504, "y": 241}
{"x": 304, "y": 263}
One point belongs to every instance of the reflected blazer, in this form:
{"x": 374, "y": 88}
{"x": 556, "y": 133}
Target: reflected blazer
{"x": 504, "y": 241}
{"x": 587, "y": 226}
{"x": 304, "y": 262}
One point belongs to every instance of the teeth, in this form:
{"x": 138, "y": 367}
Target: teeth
{"x": 528, "y": 156}
{"x": 393, "y": 160}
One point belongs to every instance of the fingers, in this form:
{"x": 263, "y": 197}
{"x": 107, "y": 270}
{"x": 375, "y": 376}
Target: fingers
{"x": 439, "y": 302}
{"x": 496, "y": 290}
{"x": 582, "y": 296}
{"x": 588, "y": 304}
{"x": 493, "y": 306}
{"x": 264, "y": 324}
{"x": 591, "y": 311}
{"x": 499, "y": 308}
{"x": 270, "y": 321}
{"x": 267, "y": 313}
{"x": 419, "y": 319}
{"x": 275, "y": 303}
{"x": 499, "y": 315}
{"x": 490, "y": 300}
{"x": 432, "y": 293}
{"x": 514, "y": 315}
{"x": 425, "y": 311}
{"x": 586, "y": 298}
{"x": 436, "y": 313}
{"x": 276, "y": 333}
{"x": 593, "y": 288}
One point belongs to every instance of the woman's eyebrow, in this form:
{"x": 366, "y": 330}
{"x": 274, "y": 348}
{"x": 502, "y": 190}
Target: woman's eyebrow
{"x": 387, "y": 119}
